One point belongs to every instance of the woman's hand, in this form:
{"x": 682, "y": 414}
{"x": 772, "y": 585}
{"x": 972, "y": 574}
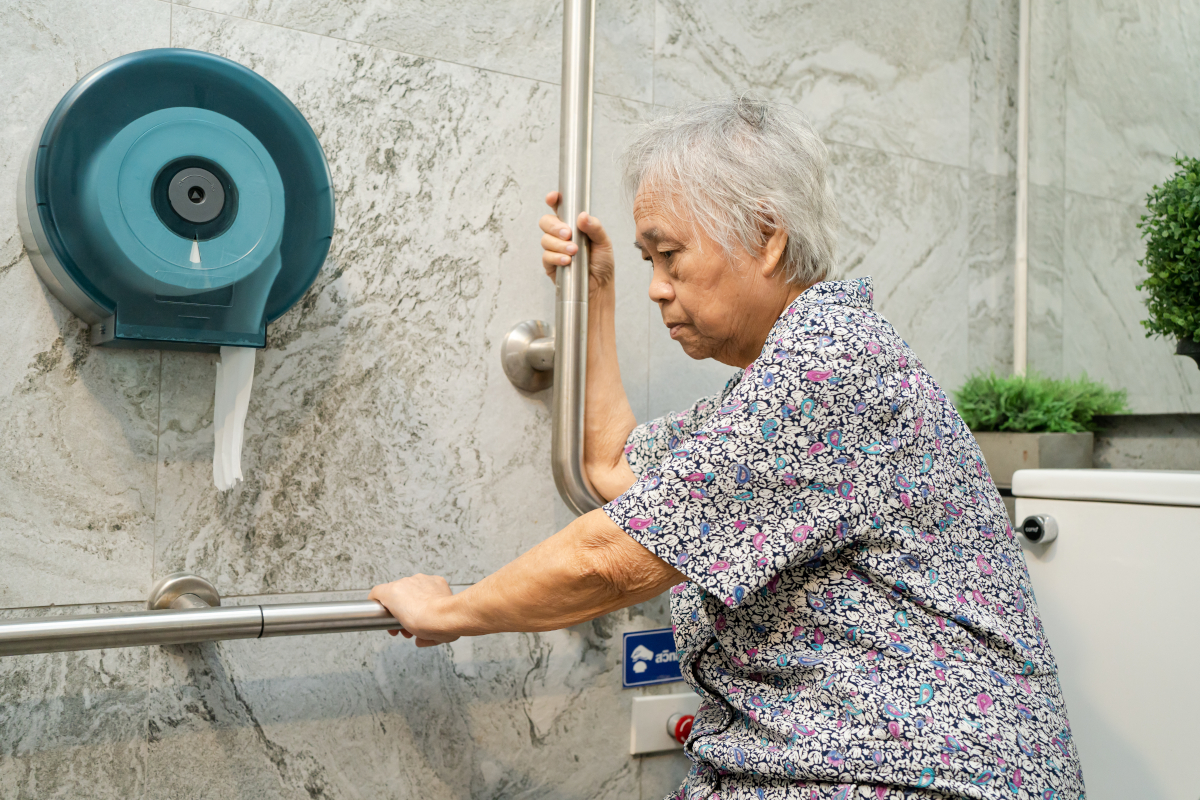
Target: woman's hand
{"x": 557, "y": 247}
{"x": 589, "y": 568}
{"x": 608, "y": 418}
{"x": 419, "y": 603}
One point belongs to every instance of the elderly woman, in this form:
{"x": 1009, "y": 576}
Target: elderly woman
{"x": 848, "y": 597}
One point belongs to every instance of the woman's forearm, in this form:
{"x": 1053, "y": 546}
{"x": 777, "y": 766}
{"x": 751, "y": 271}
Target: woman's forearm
{"x": 608, "y": 418}
{"x": 587, "y": 569}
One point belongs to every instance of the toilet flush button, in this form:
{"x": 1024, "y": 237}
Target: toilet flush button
{"x": 1040, "y": 528}
{"x": 661, "y": 722}
{"x": 679, "y": 726}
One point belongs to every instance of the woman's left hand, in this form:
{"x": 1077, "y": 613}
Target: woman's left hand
{"x": 419, "y": 602}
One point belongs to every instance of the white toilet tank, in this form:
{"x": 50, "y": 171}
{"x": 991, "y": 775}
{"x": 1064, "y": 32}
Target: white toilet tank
{"x": 1119, "y": 594}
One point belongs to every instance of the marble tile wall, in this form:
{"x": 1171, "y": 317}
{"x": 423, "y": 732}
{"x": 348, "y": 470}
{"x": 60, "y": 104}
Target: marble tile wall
{"x": 382, "y": 436}
{"x": 1113, "y": 99}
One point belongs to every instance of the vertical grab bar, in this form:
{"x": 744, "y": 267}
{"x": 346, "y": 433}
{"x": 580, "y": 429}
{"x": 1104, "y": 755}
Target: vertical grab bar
{"x": 523, "y": 351}
{"x": 571, "y": 314}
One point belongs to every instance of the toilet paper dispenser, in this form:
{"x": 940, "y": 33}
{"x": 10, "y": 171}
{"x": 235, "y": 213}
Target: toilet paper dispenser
{"x": 176, "y": 199}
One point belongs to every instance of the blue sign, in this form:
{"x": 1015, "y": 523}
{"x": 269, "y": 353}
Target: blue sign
{"x": 649, "y": 658}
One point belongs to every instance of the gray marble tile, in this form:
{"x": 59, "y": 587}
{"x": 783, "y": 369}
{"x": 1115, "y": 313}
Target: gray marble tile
{"x": 1049, "y": 64}
{"x": 992, "y": 28}
{"x": 990, "y": 260}
{"x": 1046, "y": 230}
{"x": 350, "y": 715}
{"x": 1102, "y": 310}
{"x": 79, "y": 426}
{"x": 893, "y": 76}
{"x": 1049, "y": 42}
{"x": 1132, "y": 95}
{"x": 517, "y": 37}
{"x": 906, "y": 224}
{"x": 382, "y": 436}
{"x": 73, "y": 724}
{"x": 616, "y": 122}
{"x": 77, "y": 467}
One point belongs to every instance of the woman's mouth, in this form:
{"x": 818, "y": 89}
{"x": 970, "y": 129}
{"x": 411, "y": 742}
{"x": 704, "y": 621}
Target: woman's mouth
{"x": 676, "y": 329}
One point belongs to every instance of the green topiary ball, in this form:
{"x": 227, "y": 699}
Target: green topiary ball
{"x": 1172, "y": 234}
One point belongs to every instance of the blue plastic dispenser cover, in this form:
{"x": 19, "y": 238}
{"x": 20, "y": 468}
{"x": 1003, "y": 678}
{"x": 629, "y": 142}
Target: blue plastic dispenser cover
{"x": 177, "y": 199}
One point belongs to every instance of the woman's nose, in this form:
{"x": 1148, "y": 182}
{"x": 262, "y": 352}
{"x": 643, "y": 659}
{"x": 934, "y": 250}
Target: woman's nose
{"x": 661, "y": 290}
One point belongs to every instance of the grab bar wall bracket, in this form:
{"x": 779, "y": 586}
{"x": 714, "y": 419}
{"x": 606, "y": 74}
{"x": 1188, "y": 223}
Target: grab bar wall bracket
{"x": 527, "y": 354}
{"x": 182, "y": 590}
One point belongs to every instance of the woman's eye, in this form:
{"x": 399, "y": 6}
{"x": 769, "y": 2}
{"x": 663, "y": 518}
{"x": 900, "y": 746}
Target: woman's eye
{"x": 667, "y": 254}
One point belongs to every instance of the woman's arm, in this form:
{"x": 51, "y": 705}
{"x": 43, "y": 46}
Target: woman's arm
{"x": 589, "y": 568}
{"x": 607, "y": 418}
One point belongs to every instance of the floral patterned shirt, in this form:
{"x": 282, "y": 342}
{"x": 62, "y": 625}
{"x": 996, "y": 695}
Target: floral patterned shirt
{"x": 859, "y": 619}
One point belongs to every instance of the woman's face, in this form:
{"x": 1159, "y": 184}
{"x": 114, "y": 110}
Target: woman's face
{"x": 715, "y": 306}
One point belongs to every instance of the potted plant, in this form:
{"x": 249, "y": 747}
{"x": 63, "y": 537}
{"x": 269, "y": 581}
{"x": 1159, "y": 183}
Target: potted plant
{"x": 1030, "y": 421}
{"x": 1172, "y": 234}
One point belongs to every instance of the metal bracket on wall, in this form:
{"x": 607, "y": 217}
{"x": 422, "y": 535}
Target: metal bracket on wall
{"x": 528, "y": 356}
{"x": 181, "y": 590}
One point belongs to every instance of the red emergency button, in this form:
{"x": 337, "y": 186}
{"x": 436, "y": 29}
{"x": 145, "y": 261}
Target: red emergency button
{"x": 679, "y": 726}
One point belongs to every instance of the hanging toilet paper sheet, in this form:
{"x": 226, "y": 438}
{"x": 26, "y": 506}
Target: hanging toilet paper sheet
{"x": 235, "y": 375}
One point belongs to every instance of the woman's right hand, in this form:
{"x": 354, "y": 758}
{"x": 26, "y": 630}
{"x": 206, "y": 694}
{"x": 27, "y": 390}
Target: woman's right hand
{"x": 557, "y": 247}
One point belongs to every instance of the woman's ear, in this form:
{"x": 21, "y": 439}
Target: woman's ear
{"x": 775, "y": 241}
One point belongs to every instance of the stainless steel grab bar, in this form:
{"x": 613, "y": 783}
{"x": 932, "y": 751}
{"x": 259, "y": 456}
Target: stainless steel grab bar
{"x": 183, "y": 611}
{"x": 526, "y": 346}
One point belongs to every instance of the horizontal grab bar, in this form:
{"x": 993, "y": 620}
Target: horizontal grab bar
{"x": 96, "y": 631}
{"x": 187, "y": 618}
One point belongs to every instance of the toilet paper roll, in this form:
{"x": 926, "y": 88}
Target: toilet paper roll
{"x": 235, "y": 375}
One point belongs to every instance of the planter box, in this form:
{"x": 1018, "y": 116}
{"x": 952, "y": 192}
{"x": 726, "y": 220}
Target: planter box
{"x": 1005, "y": 453}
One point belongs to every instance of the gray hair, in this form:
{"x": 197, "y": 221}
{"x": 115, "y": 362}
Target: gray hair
{"x": 738, "y": 166}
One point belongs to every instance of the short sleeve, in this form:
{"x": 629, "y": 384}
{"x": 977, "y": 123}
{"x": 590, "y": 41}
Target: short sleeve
{"x": 650, "y": 442}
{"x": 767, "y": 482}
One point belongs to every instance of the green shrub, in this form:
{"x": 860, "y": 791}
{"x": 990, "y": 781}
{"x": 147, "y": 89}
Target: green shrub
{"x": 1034, "y": 404}
{"x": 1172, "y": 234}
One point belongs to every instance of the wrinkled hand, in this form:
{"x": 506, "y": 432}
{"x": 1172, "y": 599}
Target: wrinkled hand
{"x": 557, "y": 247}
{"x": 418, "y": 602}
